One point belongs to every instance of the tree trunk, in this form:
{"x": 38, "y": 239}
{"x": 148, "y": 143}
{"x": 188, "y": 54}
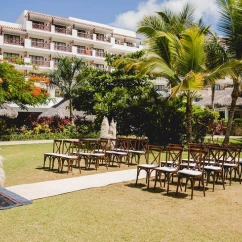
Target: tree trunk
{"x": 71, "y": 112}
{"x": 234, "y": 95}
{"x": 189, "y": 117}
{"x": 212, "y": 97}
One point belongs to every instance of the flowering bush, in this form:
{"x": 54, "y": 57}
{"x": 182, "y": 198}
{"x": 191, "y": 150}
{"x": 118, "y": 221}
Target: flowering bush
{"x": 39, "y": 79}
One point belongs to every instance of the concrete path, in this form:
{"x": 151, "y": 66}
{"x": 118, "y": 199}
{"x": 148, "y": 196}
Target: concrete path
{"x": 57, "y": 187}
{"x": 24, "y": 142}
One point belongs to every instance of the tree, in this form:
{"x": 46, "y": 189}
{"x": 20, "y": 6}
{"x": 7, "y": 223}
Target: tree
{"x": 179, "y": 56}
{"x": 132, "y": 101}
{"x": 14, "y": 88}
{"x": 65, "y": 77}
{"x": 215, "y": 56}
{"x": 230, "y": 26}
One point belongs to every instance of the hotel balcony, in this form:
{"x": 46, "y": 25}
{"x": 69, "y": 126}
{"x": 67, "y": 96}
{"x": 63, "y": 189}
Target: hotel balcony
{"x": 85, "y": 35}
{"x": 59, "y": 30}
{"x": 63, "y": 48}
{"x": 40, "y": 63}
{"x": 40, "y": 45}
{"x": 14, "y": 42}
{"x": 84, "y": 52}
{"x": 41, "y": 27}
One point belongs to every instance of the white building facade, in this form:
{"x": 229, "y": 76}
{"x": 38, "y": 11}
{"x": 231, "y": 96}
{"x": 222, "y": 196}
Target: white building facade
{"x": 35, "y": 42}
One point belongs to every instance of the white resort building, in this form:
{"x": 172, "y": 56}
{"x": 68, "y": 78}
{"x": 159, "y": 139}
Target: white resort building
{"x": 34, "y": 43}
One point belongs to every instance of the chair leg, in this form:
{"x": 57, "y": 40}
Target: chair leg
{"x": 202, "y": 181}
{"x": 192, "y": 186}
{"x": 148, "y": 178}
{"x": 178, "y": 184}
{"x": 156, "y": 177}
{"x": 138, "y": 171}
{"x": 168, "y": 182}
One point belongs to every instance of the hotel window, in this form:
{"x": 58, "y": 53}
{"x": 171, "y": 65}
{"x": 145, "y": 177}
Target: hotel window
{"x": 56, "y": 61}
{"x": 99, "y": 52}
{"x": 58, "y": 93}
{"x": 60, "y": 46}
{"x": 100, "y": 36}
{"x": 10, "y": 55}
{"x": 217, "y": 87}
{"x": 37, "y": 42}
{"x": 99, "y": 66}
{"x": 38, "y": 22}
{"x": 159, "y": 87}
{"x": 37, "y": 60}
{"x": 11, "y": 39}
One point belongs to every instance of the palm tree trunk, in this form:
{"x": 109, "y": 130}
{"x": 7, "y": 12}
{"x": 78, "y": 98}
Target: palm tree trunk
{"x": 212, "y": 97}
{"x": 71, "y": 112}
{"x": 189, "y": 117}
{"x": 234, "y": 95}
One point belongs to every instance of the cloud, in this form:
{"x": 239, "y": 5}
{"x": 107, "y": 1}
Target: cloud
{"x": 207, "y": 9}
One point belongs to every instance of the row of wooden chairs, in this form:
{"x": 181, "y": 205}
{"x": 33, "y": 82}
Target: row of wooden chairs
{"x": 94, "y": 151}
{"x": 204, "y": 161}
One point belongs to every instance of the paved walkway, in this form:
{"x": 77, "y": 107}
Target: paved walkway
{"x": 24, "y": 142}
{"x": 57, "y": 187}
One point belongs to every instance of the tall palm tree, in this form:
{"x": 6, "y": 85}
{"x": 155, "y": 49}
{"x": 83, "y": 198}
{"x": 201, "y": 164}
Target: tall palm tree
{"x": 65, "y": 77}
{"x": 215, "y": 56}
{"x": 177, "y": 52}
{"x": 230, "y": 26}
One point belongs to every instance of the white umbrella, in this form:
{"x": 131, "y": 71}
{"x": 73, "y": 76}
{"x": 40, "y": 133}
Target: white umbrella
{"x": 61, "y": 110}
{"x": 7, "y": 111}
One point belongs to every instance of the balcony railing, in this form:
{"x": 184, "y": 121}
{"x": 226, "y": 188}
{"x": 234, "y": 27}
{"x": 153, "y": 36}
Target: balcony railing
{"x": 103, "y": 38}
{"x": 14, "y": 42}
{"x": 130, "y": 44}
{"x": 100, "y": 54}
{"x": 40, "y": 45}
{"x": 41, "y": 27}
{"x": 63, "y": 48}
{"x": 85, "y": 35}
{"x": 84, "y": 52}
{"x": 63, "y": 31}
{"x": 40, "y": 63}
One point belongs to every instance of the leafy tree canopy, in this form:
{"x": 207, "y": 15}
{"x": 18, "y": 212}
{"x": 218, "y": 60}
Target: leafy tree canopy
{"x": 14, "y": 88}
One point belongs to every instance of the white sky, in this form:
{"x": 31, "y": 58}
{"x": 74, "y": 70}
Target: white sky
{"x": 207, "y": 9}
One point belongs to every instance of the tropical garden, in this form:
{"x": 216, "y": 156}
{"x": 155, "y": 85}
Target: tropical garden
{"x": 188, "y": 54}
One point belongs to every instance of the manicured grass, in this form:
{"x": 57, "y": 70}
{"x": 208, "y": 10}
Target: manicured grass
{"x": 23, "y": 164}
{"x": 120, "y": 212}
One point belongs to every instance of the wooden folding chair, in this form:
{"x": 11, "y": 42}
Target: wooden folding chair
{"x": 153, "y": 156}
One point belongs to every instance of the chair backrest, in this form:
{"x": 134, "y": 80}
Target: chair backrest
{"x": 75, "y": 147}
{"x": 122, "y": 144}
{"x": 192, "y": 146}
{"x": 133, "y": 144}
{"x": 174, "y": 154}
{"x": 142, "y": 144}
{"x": 67, "y": 147}
{"x": 217, "y": 154}
{"x": 102, "y": 146}
{"x": 57, "y": 146}
{"x": 233, "y": 153}
{"x": 198, "y": 156}
{"x": 153, "y": 154}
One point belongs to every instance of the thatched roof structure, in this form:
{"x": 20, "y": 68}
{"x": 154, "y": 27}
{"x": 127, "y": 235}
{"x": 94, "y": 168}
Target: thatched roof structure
{"x": 222, "y": 99}
{"x": 7, "y": 111}
{"x": 61, "y": 110}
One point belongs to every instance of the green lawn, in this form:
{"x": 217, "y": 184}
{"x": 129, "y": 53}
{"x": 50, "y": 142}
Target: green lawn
{"x": 119, "y": 212}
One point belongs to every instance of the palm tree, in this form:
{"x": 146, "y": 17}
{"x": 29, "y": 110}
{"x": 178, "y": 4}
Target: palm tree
{"x": 176, "y": 51}
{"x": 230, "y": 26}
{"x": 65, "y": 77}
{"x": 215, "y": 56}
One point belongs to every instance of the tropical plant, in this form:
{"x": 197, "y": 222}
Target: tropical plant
{"x": 180, "y": 56}
{"x": 65, "y": 77}
{"x": 230, "y": 25}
